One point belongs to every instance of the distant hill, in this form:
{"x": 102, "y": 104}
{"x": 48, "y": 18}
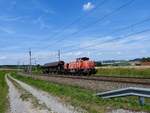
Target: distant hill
{"x": 121, "y": 62}
{"x": 12, "y": 66}
{"x": 144, "y": 59}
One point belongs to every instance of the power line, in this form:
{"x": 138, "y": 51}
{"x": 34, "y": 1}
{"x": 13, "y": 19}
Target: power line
{"x": 118, "y": 38}
{"x": 78, "y": 19}
{"x": 133, "y": 24}
{"x": 98, "y": 20}
{"x": 124, "y": 28}
{"x": 111, "y": 40}
{"x": 132, "y": 34}
{"x": 93, "y": 23}
{"x": 96, "y": 50}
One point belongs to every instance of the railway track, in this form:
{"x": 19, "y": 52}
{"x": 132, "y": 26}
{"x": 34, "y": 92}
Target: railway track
{"x": 132, "y": 80}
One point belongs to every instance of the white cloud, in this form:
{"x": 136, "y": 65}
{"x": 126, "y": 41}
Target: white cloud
{"x": 88, "y": 6}
{"x": 2, "y": 57}
{"x": 10, "y": 18}
{"x": 41, "y": 57}
{"x": 102, "y": 49}
{"x": 37, "y": 5}
{"x": 109, "y": 48}
{"x": 41, "y": 22}
{"x": 7, "y": 30}
{"x": 47, "y": 11}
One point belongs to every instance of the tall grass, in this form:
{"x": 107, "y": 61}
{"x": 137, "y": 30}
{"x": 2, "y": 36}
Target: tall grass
{"x": 128, "y": 72}
{"x": 3, "y": 93}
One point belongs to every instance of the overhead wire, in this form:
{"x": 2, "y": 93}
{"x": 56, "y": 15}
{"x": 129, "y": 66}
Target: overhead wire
{"x": 121, "y": 29}
{"x": 118, "y": 38}
{"x": 108, "y": 41}
{"x": 109, "y": 14}
{"x": 95, "y": 22}
{"x": 78, "y": 19}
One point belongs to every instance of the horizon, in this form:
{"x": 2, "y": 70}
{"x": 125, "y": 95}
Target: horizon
{"x": 98, "y": 29}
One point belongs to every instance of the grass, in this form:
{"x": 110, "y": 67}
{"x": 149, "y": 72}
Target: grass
{"x": 3, "y": 93}
{"x": 124, "y": 72}
{"x": 84, "y": 98}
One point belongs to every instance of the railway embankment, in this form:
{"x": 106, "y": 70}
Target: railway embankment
{"x": 94, "y": 85}
{"x": 85, "y": 99}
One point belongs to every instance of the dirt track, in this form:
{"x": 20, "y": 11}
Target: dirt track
{"x": 27, "y": 99}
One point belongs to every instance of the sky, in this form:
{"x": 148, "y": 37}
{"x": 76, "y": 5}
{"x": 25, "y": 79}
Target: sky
{"x": 99, "y": 29}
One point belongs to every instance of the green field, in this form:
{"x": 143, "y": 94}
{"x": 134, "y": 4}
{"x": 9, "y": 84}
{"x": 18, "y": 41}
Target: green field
{"x": 84, "y": 98}
{"x": 3, "y": 93}
{"x": 124, "y": 72}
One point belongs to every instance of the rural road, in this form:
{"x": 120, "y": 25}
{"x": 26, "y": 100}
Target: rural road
{"x": 26, "y": 99}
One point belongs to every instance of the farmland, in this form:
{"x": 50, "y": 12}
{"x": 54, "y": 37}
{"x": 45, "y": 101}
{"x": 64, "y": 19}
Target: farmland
{"x": 124, "y": 71}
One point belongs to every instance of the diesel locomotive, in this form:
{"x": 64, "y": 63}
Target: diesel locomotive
{"x": 81, "y": 66}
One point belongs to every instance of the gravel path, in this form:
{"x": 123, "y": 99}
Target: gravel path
{"x": 51, "y": 102}
{"x": 17, "y": 105}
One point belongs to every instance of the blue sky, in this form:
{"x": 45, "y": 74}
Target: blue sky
{"x": 76, "y": 27}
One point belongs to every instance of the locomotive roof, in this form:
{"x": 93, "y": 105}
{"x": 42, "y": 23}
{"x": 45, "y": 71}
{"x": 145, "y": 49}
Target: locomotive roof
{"x": 53, "y": 63}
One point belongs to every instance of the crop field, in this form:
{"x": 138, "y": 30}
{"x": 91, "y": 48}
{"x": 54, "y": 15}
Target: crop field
{"x": 3, "y": 93}
{"x": 124, "y": 71}
{"x": 83, "y": 98}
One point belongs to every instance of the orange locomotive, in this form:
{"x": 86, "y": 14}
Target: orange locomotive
{"x": 80, "y": 66}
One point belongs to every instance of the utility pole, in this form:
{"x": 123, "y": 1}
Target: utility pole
{"x": 58, "y": 55}
{"x": 30, "y": 63}
{"x": 35, "y": 61}
{"x": 23, "y": 66}
{"x": 18, "y": 63}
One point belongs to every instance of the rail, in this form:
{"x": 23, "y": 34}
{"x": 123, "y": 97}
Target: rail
{"x": 141, "y": 81}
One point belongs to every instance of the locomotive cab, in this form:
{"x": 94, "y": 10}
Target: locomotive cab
{"x": 82, "y": 66}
